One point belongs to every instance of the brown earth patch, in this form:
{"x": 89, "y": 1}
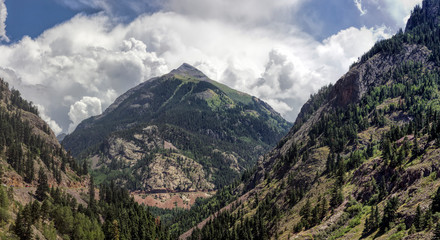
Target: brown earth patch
{"x": 170, "y": 200}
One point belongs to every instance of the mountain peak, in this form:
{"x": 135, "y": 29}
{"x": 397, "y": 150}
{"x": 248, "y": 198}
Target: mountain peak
{"x": 189, "y": 71}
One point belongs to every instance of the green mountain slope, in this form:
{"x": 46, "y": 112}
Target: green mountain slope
{"x": 28, "y": 145}
{"x": 178, "y": 132}
{"x": 361, "y": 161}
{"x": 31, "y": 159}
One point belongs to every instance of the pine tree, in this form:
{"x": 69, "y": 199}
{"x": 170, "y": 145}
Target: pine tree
{"x": 84, "y": 168}
{"x": 43, "y": 187}
{"x": 372, "y": 222}
{"x": 418, "y": 219}
{"x": 428, "y": 219}
{"x": 35, "y": 209}
{"x": 415, "y": 150}
{"x": 23, "y": 224}
{"x": 436, "y": 232}
{"x": 44, "y": 210}
{"x": 389, "y": 213}
{"x": 92, "y": 202}
{"x": 436, "y": 202}
{"x": 337, "y": 196}
{"x": 115, "y": 230}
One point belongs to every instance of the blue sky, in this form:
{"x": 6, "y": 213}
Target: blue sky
{"x": 74, "y": 57}
{"x": 30, "y": 17}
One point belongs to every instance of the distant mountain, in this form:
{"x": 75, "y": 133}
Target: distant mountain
{"x": 61, "y": 136}
{"x": 361, "y": 161}
{"x": 178, "y": 132}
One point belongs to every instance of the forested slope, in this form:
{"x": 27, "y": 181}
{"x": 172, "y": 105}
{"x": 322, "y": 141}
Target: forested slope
{"x": 363, "y": 158}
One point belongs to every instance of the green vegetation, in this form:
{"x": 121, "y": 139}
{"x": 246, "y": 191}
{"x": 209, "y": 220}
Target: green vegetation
{"x": 375, "y": 143}
{"x": 60, "y": 214}
{"x": 21, "y": 146}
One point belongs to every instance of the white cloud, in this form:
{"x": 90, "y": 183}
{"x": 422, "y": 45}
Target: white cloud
{"x": 358, "y": 4}
{"x": 400, "y": 10}
{"x": 3, "y": 16}
{"x": 83, "y": 57}
{"x": 52, "y": 124}
{"x": 244, "y": 11}
{"x": 346, "y": 46}
{"x": 77, "y": 69}
{"x": 290, "y": 77}
{"x": 82, "y": 109}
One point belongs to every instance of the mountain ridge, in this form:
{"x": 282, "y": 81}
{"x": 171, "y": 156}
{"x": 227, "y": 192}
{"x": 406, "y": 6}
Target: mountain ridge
{"x": 361, "y": 160}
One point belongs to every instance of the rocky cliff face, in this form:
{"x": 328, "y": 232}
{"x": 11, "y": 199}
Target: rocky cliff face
{"x": 364, "y": 76}
{"x": 156, "y": 163}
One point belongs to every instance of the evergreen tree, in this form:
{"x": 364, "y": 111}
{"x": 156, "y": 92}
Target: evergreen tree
{"x": 43, "y": 187}
{"x": 92, "y": 202}
{"x": 45, "y": 208}
{"x": 372, "y": 222}
{"x": 115, "y": 230}
{"x": 418, "y": 222}
{"x": 337, "y": 196}
{"x": 428, "y": 219}
{"x": 389, "y": 213}
{"x": 84, "y": 168}
{"x": 22, "y": 227}
{"x": 415, "y": 150}
{"x": 436, "y": 202}
{"x": 436, "y": 232}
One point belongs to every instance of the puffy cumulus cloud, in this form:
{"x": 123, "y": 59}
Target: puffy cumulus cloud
{"x": 346, "y": 46}
{"x": 82, "y": 109}
{"x": 3, "y": 16}
{"x": 76, "y": 69}
{"x": 289, "y": 78}
{"x": 52, "y": 124}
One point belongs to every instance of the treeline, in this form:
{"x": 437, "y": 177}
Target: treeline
{"x": 115, "y": 216}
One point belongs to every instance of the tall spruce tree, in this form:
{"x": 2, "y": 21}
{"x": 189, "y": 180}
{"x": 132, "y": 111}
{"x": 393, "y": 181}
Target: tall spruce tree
{"x": 436, "y": 202}
{"x": 92, "y": 202}
{"x": 43, "y": 187}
